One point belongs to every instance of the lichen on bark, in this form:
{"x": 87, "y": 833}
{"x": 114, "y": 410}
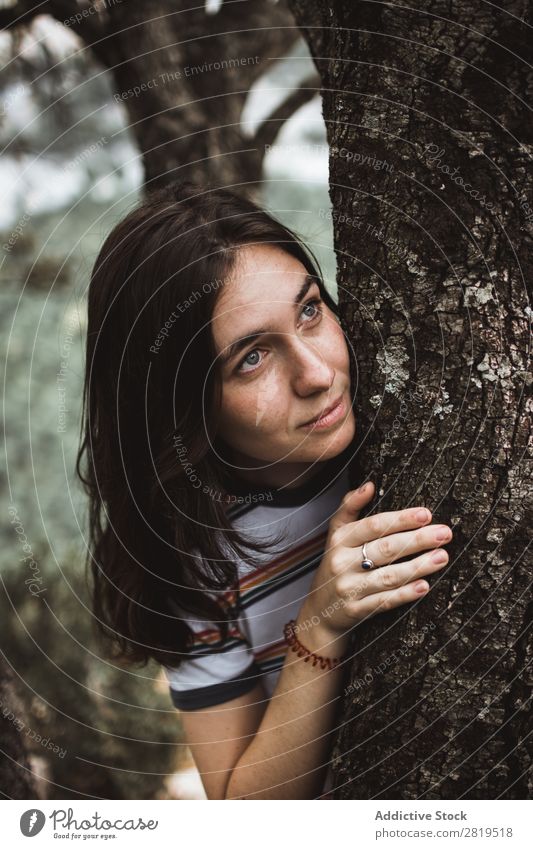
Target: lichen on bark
{"x": 433, "y": 272}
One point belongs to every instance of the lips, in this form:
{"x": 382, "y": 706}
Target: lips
{"x": 324, "y": 412}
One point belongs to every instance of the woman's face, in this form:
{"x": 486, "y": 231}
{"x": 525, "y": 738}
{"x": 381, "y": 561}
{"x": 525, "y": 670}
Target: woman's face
{"x": 295, "y": 368}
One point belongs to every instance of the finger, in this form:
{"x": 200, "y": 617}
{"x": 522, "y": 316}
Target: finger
{"x": 386, "y": 550}
{"x": 393, "y": 577}
{"x": 351, "y": 505}
{"x": 383, "y": 524}
{"x": 381, "y": 602}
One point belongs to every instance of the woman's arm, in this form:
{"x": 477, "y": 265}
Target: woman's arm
{"x": 253, "y": 747}
{"x": 289, "y": 754}
{"x": 286, "y": 757}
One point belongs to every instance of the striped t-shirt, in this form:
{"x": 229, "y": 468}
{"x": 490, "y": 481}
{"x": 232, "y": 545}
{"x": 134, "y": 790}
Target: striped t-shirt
{"x": 268, "y": 596}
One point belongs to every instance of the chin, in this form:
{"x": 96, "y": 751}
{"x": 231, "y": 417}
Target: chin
{"x": 325, "y": 446}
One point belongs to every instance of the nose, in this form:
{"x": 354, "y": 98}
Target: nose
{"x": 310, "y": 370}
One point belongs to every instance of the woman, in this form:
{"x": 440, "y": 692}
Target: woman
{"x": 218, "y": 424}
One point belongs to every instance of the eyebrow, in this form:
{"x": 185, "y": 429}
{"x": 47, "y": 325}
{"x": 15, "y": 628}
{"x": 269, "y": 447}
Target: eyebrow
{"x": 243, "y": 341}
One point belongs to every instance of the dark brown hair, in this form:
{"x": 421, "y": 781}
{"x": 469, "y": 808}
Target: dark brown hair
{"x": 156, "y": 543}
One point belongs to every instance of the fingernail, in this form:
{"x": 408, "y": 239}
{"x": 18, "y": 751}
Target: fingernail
{"x": 422, "y": 515}
{"x": 362, "y": 488}
{"x": 439, "y": 556}
{"x": 421, "y": 587}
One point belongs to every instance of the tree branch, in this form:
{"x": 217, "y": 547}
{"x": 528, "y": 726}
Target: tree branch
{"x": 269, "y": 128}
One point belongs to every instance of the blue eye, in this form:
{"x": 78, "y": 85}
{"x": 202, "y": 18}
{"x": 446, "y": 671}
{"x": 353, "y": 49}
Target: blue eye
{"x": 250, "y": 354}
{"x": 315, "y": 303}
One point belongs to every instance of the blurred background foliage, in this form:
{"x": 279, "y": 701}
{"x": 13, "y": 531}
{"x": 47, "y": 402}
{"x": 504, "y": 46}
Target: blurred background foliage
{"x": 91, "y": 727}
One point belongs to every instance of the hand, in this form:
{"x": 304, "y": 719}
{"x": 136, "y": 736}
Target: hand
{"x": 342, "y": 593}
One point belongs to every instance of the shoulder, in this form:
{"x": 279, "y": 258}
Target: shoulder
{"x": 215, "y": 669}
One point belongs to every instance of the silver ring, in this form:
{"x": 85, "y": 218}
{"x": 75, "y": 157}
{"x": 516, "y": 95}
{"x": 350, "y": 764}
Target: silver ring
{"x": 367, "y": 562}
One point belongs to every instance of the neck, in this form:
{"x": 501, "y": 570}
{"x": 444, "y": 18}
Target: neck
{"x": 287, "y": 475}
{"x": 274, "y": 475}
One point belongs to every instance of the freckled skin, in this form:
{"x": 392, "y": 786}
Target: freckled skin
{"x": 289, "y": 375}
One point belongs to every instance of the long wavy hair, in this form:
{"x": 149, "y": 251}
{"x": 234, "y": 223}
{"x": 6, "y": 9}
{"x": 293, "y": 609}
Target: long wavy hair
{"x": 152, "y": 390}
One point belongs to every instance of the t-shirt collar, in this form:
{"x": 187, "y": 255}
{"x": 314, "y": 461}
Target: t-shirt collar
{"x": 247, "y": 492}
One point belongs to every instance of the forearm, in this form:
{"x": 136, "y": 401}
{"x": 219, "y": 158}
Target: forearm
{"x": 289, "y": 754}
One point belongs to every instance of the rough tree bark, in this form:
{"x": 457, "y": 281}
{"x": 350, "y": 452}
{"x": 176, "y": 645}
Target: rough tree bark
{"x": 432, "y": 201}
{"x": 193, "y": 71}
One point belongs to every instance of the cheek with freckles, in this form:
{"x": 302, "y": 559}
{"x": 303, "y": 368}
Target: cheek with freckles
{"x": 266, "y": 400}
{"x": 253, "y": 415}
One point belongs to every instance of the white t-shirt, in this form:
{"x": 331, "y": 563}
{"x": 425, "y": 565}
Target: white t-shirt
{"x": 269, "y": 595}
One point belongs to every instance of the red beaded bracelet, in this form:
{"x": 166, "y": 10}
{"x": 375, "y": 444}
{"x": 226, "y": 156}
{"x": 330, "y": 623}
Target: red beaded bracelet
{"x": 294, "y": 642}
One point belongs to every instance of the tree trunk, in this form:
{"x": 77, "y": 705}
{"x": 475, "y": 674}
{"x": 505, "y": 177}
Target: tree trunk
{"x": 183, "y": 77}
{"x": 433, "y": 211}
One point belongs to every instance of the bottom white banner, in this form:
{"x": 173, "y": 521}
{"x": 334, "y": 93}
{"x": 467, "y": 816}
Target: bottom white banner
{"x": 356, "y": 824}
